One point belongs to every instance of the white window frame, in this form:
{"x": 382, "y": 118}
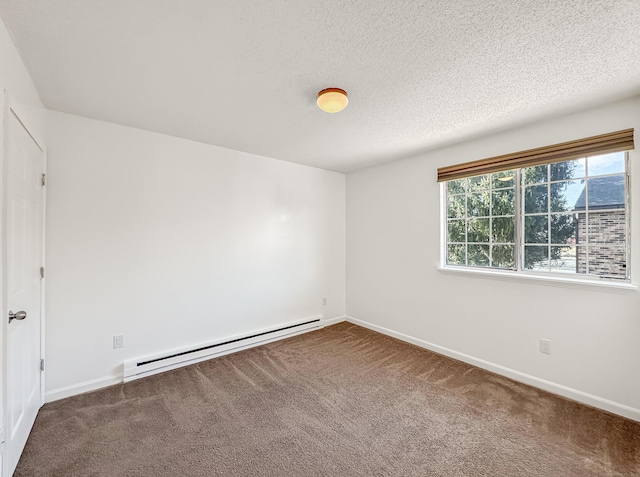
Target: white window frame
{"x": 535, "y": 275}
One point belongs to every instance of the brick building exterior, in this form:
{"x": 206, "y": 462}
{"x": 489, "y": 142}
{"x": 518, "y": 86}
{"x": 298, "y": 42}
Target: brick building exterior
{"x": 606, "y": 228}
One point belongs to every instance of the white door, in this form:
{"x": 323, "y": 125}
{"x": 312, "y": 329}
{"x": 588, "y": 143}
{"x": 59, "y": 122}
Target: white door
{"x": 24, "y": 166}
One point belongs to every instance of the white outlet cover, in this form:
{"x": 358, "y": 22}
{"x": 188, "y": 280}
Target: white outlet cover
{"x": 118, "y": 341}
{"x": 545, "y": 346}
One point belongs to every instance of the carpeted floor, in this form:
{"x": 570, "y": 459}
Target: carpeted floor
{"x": 342, "y": 401}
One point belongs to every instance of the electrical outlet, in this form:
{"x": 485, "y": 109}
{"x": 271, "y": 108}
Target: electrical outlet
{"x": 118, "y": 341}
{"x": 545, "y": 346}
{"x": 324, "y": 301}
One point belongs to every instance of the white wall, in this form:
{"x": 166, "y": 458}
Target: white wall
{"x": 173, "y": 243}
{"x": 393, "y": 281}
{"x": 15, "y": 79}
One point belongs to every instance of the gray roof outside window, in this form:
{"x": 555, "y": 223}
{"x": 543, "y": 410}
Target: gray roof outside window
{"x": 604, "y": 193}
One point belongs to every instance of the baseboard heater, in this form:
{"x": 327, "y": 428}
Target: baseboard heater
{"x": 149, "y": 365}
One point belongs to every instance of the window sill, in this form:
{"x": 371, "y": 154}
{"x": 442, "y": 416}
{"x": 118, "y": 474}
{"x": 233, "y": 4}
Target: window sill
{"x": 568, "y": 282}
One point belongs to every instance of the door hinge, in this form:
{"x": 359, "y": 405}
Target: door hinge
{"x": 44, "y": 180}
{"x": 41, "y": 272}
{"x": 42, "y": 365}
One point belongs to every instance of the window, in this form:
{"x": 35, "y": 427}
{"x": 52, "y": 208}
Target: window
{"x": 481, "y": 221}
{"x": 561, "y": 217}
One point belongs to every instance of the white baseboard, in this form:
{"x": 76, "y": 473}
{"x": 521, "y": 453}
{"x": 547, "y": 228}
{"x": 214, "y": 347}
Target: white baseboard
{"x": 85, "y": 387}
{"x": 333, "y": 321}
{"x": 95, "y": 384}
{"x": 576, "y": 395}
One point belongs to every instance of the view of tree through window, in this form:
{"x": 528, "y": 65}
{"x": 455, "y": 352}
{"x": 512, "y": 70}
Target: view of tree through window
{"x": 481, "y": 220}
{"x": 565, "y": 217}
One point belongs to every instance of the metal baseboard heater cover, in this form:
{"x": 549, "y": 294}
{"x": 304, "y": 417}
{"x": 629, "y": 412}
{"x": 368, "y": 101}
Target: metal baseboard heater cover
{"x": 150, "y": 365}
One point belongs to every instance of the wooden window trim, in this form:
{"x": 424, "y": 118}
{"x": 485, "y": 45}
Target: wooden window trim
{"x": 603, "y": 144}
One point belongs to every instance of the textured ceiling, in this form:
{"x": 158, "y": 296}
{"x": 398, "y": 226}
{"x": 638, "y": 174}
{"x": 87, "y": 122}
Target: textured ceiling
{"x": 243, "y": 74}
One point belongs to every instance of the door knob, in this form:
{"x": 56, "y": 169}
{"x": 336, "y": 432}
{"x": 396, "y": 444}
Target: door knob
{"x": 20, "y": 315}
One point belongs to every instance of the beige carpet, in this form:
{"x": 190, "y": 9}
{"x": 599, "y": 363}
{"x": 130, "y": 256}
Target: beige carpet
{"x": 342, "y": 401}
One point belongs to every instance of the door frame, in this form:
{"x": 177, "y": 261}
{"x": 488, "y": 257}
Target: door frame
{"x": 32, "y": 119}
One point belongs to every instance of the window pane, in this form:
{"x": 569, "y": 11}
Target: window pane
{"x": 607, "y": 227}
{"x": 455, "y": 255}
{"x": 535, "y": 199}
{"x": 535, "y": 175}
{"x": 536, "y": 258}
{"x": 478, "y": 204}
{"x": 479, "y": 255}
{"x": 456, "y": 230}
{"x": 564, "y": 195}
{"x": 456, "y": 206}
{"x": 606, "y": 164}
{"x": 563, "y": 260}
{"x": 607, "y": 261}
{"x": 581, "y": 259}
{"x": 503, "y": 229}
{"x": 479, "y": 183}
{"x": 457, "y": 186}
{"x": 581, "y": 228}
{"x": 563, "y": 229}
{"x": 503, "y": 179}
{"x": 568, "y": 170}
{"x": 536, "y": 229}
{"x": 478, "y": 230}
{"x": 606, "y": 192}
{"x": 503, "y": 256}
{"x": 503, "y": 202}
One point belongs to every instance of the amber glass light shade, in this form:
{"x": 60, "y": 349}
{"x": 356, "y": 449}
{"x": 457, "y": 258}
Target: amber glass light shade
{"x": 332, "y": 100}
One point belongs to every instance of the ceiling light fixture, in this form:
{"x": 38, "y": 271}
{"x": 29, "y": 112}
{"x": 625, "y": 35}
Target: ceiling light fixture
{"x": 332, "y": 100}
